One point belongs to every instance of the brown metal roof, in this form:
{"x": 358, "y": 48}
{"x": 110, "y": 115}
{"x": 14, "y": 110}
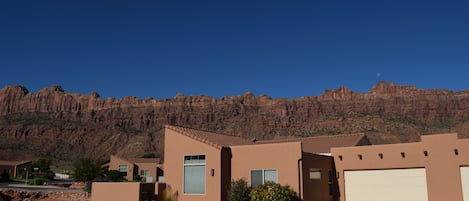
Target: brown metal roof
{"x": 323, "y": 144}
{"x": 213, "y": 139}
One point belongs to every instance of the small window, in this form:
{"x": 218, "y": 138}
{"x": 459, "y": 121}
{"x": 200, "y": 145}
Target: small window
{"x": 340, "y": 157}
{"x": 403, "y": 154}
{"x": 425, "y": 153}
{"x": 262, "y": 176}
{"x": 145, "y": 173}
{"x": 314, "y": 173}
{"x": 456, "y": 152}
{"x": 380, "y": 155}
{"x": 123, "y": 168}
{"x": 360, "y": 156}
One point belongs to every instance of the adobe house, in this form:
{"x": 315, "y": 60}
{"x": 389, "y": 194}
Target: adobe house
{"x": 434, "y": 169}
{"x": 200, "y": 165}
{"x": 149, "y": 168}
{"x": 15, "y": 168}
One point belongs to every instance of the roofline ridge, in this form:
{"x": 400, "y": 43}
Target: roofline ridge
{"x": 184, "y": 131}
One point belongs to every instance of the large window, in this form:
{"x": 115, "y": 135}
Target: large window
{"x": 262, "y": 176}
{"x": 194, "y": 174}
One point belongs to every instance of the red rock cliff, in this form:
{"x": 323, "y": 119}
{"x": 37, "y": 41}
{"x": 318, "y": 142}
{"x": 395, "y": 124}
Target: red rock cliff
{"x": 64, "y": 125}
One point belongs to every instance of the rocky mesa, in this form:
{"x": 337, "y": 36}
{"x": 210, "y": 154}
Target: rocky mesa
{"x": 66, "y": 126}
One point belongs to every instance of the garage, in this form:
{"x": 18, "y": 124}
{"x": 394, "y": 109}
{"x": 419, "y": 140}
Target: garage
{"x": 465, "y": 182}
{"x": 386, "y": 185}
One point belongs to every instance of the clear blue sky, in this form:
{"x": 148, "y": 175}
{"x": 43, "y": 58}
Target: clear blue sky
{"x": 280, "y": 48}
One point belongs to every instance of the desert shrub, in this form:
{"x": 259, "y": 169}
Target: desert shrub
{"x": 271, "y": 191}
{"x": 239, "y": 190}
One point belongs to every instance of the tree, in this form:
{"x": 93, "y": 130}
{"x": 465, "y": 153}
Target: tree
{"x": 239, "y": 190}
{"x": 43, "y": 164}
{"x": 149, "y": 155}
{"x": 86, "y": 169}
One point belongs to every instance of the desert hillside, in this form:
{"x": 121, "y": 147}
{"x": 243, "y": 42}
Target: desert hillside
{"x": 65, "y": 126}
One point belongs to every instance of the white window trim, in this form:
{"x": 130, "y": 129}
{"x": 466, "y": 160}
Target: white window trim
{"x": 194, "y": 164}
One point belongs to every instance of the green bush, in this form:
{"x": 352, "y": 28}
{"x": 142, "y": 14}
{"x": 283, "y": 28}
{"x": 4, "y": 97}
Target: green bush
{"x": 271, "y": 191}
{"x": 239, "y": 190}
{"x": 37, "y": 181}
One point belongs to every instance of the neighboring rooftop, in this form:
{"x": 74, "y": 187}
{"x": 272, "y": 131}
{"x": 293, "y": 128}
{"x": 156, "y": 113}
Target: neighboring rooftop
{"x": 323, "y": 144}
{"x": 143, "y": 160}
{"x": 13, "y": 163}
{"x": 318, "y": 144}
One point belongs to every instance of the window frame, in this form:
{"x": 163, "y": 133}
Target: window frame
{"x": 145, "y": 171}
{"x": 263, "y": 175}
{"x": 184, "y": 165}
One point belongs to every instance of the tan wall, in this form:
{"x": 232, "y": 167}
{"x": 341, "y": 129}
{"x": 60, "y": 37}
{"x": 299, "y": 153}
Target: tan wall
{"x": 120, "y": 191}
{"x": 280, "y": 156}
{"x": 318, "y": 189}
{"x": 176, "y": 147}
{"x": 442, "y": 164}
{"x": 148, "y": 166}
{"x": 116, "y": 161}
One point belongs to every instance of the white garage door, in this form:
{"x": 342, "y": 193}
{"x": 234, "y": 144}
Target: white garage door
{"x": 465, "y": 182}
{"x": 386, "y": 185}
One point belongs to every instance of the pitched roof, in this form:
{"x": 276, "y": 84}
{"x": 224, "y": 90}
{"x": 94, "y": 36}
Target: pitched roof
{"x": 144, "y": 160}
{"x": 317, "y": 144}
{"x": 13, "y": 163}
{"x": 323, "y": 144}
{"x": 141, "y": 160}
{"x": 213, "y": 139}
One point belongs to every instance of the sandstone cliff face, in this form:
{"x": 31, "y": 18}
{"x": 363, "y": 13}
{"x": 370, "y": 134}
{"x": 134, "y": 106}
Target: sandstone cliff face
{"x": 66, "y": 126}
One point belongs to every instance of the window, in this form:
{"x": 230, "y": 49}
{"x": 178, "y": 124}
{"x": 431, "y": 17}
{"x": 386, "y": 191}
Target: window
{"x": 314, "y": 174}
{"x": 124, "y": 169}
{"x": 194, "y": 174}
{"x": 262, "y": 176}
{"x": 145, "y": 173}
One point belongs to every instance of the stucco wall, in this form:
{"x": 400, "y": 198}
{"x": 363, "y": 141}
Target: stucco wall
{"x": 280, "y": 156}
{"x": 441, "y": 156}
{"x": 117, "y": 191}
{"x": 176, "y": 147}
{"x": 116, "y": 161}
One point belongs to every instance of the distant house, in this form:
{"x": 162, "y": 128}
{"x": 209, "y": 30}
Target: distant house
{"x": 434, "y": 169}
{"x": 149, "y": 168}
{"x": 200, "y": 165}
{"x": 15, "y": 168}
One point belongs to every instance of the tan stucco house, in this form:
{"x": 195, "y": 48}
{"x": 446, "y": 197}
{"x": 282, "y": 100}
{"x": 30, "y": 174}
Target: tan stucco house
{"x": 149, "y": 168}
{"x": 15, "y": 168}
{"x": 200, "y": 165}
{"x": 434, "y": 169}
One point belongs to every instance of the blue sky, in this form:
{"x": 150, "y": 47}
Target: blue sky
{"x": 280, "y": 48}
